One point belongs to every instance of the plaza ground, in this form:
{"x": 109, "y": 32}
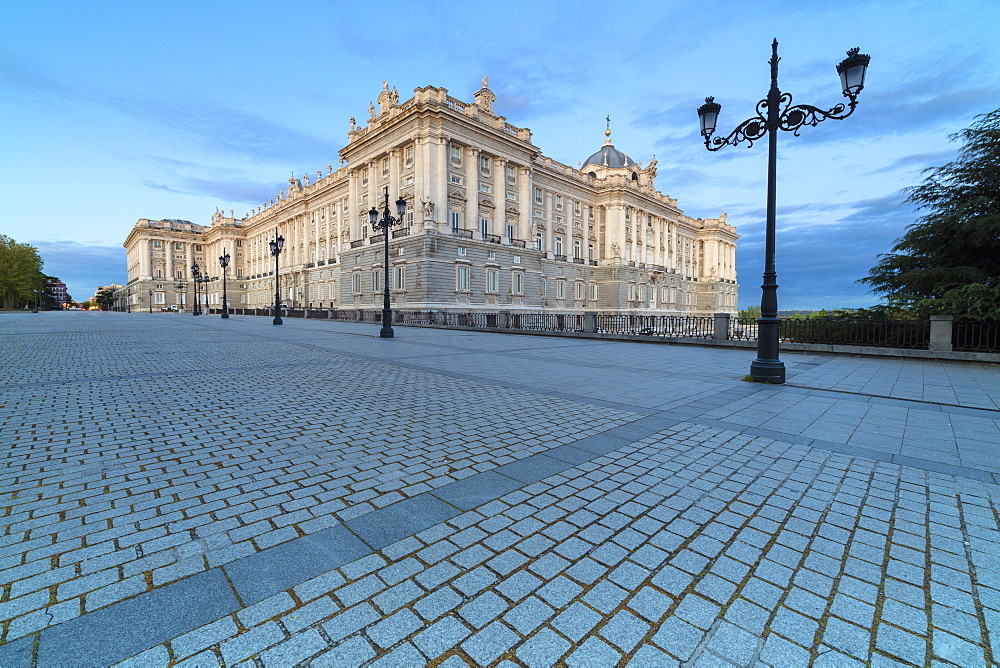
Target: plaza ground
{"x": 180, "y": 490}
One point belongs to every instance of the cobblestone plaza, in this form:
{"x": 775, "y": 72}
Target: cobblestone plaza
{"x": 202, "y": 492}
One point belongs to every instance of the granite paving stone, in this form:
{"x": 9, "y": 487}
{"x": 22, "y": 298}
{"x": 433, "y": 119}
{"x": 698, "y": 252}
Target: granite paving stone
{"x": 523, "y": 500}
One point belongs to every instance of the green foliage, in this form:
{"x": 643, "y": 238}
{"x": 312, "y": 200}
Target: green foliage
{"x": 949, "y": 261}
{"x": 20, "y": 273}
{"x": 750, "y": 312}
{"x": 105, "y": 298}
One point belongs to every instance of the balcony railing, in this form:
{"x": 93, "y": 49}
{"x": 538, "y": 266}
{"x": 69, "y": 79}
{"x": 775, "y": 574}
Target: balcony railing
{"x": 559, "y": 258}
{"x": 357, "y": 243}
{"x": 517, "y": 243}
{"x": 491, "y": 238}
{"x": 376, "y": 239}
{"x": 461, "y": 234}
{"x": 401, "y": 232}
{"x": 578, "y": 260}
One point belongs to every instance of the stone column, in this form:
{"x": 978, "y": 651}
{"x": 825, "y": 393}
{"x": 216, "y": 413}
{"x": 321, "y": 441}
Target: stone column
{"x": 550, "y": 223}
{"x": 353, "y": 202}
{"x": 168, "y": 253}
{"x": 472, "y": 190}
{"x": 525, "y": 205}
{"x": 439, "y": 174}
{"x": 585, "y": 229}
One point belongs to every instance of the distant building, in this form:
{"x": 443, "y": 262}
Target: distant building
{"x": 57, "y": 289}
{"x": 490, "y": 224}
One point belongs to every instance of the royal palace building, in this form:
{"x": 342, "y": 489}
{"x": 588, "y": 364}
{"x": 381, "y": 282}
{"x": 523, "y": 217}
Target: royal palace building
{"x": 490, "y": 223}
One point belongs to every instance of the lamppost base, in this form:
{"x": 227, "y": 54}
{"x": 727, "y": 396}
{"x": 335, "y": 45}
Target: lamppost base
{"x": 277, "y": 321}
{"x": 386, "y": 333}
{"x": 768, "y": 371}
{"x": 225, "y": 315}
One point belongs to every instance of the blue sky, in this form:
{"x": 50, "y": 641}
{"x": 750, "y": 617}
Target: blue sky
{"x": 114, "y": 111}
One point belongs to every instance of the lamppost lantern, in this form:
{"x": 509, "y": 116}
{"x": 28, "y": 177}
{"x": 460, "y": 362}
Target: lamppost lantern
{"x": 708, "y": 114}
{"x": 224, "y": 261}
{"x": 150, "y": 301}
{"x": 276, "y": 245}
{"x": 776, "y": 112}
{"x": 852, "y": 72}
{"x": 385, "y": 224}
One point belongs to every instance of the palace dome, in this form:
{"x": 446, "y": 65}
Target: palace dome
{"x": 609, "y": 156}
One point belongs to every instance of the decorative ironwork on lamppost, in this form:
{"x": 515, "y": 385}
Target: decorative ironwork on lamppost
{"x": 35, "y": 295}
{"x": 224, "y": 261}
{"x": 196, "y": 273}
{"x": 386, "y": 223}
{"x": 179, "y": 287}
{"x": 276, "y": 245}
{"x": 203, "y": 293}
{"x": 151, "y": 301}
{"x": 774, "y": 113}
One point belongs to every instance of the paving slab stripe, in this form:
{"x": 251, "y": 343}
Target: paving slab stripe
{"x": 114, "y": 633}
{"x": 903, "y": 401}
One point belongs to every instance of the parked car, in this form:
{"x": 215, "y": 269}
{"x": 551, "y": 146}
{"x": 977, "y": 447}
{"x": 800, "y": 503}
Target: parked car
{"x": 171, "y": 308}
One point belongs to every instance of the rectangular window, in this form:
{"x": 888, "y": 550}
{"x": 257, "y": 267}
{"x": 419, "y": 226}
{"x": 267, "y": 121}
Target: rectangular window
{"x": 491, "y": 280}
{"x": 179, "y": 246}
{"x": 560, "y": 289}
{"x": 461, "y": 250}
{"x": 239, "y": 243}
{"x": 385, "y": 166}
{"x": 408, "y": 153}
{"x": 510, "y": 174}
{"x": 510, "y": 231}
{"x": 595, "y": 291}
{"x": 364, "y": 175}
{"x": 161, "y": 298}
{"x": 576, "y": 248}
{"x": 491, "y": 255}
{"x": 159, "y": 273}
{"x": 538, "y": 240}
{"x": 517, "y": 259}
{"x": 376, "y": 280}
{"x": 580, "y": 294}
{"x": 538, "y": 195}
{"x": 518, "y": 283}
{"x": 559, "y": 246}
{"x": 649, "y": 294}
{"x": 485, "y": 188}
{"x": 456, "y": 155}
{"x": 590, "y": 252}
{"x": 462, "y": 279}
{"x": 239, "y": 273}
{"x": 157, "y": 243}
{"x": 511, "y": 196}
{"x": 356, "y": 283}
{"x": 198, "y": 247}
{"x": 558, "y": 201}
{"x": 484, "y": 226}
{"x": 456, "y": 179}
{"x": 399, "y": 278}
{"x": 484, "y": 164}
{"x": 455, "y": 220}
{"x": 576, "y": 208}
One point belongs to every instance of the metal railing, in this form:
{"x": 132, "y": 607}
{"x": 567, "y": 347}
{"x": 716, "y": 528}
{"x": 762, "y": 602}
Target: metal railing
{"x": 462, "y": 234}
{"x": 875, "y": 333}
{"x": 976, "y": 336}
{"x": 680, "y": 326}
{"x": 743, "y": 329}
{"x": 547, "y": 322}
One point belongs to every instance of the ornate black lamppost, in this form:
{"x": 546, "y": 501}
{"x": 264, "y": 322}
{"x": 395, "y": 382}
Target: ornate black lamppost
{"x": 203, "y": 297}
{"x": 386, "y": 223}
{"x": 179, "y": 287}
{"x": 224, "y": 261}
{"x": 35, "y": 294}
{"x": 774, "y": 113}
{"x": 151, "y": 301}
{"x": 276, "y": 245}
{"x": 196, "y": 273}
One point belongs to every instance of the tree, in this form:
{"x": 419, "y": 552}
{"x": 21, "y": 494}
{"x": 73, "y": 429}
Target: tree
{"x": 20, "y": 273}
{"x": 949, "y": 261}
{"x": 105, "y": 298}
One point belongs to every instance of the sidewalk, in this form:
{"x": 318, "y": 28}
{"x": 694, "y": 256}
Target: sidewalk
{"x": 199, "y": 491}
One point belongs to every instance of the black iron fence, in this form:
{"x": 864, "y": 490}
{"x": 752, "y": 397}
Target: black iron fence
{"x": 978, "y": 337}
{"x": 678, "y": 326}
{"x": 874, "y": 333}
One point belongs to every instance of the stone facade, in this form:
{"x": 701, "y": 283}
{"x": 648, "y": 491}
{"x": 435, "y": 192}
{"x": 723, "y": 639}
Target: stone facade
{"x": 490, "y": 223}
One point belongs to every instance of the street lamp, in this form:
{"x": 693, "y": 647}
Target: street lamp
{"x": 385, "y": 224}
{"x": 203, "y": 293}
{"x": 774, "y": 113}
{"x": 195, "y": 272}
{"x": 35, "y": 295}
{"x": 150, "y": 302}
{"x": 224, "y": 261}
{"x": 276, "y": 245}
